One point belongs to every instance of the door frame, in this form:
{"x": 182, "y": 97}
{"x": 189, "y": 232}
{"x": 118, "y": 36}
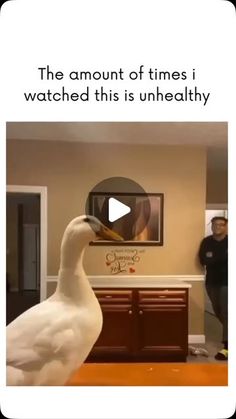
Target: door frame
{"x": 42, "y": 191}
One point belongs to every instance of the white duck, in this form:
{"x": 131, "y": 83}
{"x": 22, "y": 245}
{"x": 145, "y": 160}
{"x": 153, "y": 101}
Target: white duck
{"x": 48, "y": 342}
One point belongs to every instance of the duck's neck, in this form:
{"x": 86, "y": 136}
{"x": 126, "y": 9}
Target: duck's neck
{"x": 73, "y": 282}
{"x": 72, "y": 264}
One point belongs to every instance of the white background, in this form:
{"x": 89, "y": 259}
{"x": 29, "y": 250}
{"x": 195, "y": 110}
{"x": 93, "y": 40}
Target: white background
{"x": 107, "y": 35}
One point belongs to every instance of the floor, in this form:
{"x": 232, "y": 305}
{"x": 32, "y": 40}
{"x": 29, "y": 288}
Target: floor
{"x": 213, "y": 334}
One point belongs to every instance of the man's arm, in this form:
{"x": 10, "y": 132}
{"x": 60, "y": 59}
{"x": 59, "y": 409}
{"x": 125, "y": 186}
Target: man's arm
{"x": 202, "y": 253}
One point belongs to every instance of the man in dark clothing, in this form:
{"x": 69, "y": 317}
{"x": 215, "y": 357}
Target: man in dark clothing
{"x": 213, "y": 254}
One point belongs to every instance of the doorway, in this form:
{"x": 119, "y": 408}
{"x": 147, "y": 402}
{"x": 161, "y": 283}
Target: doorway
{"x": 26, "y": 248}
{"x": 213, "y": 328}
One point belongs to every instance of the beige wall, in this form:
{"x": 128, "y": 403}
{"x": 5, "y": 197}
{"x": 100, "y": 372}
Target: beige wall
{"x": 71, "y": 170}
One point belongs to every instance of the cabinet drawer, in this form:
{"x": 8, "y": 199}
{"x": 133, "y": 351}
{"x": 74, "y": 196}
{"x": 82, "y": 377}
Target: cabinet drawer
{"x": 113, "y": 296}
{"x": 164, "y": 296}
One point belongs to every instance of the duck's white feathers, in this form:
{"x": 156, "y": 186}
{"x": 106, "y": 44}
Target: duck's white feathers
{"x": 49, "y": 341}
{"x": 52, "y": 339}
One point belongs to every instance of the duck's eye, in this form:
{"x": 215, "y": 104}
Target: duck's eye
{"x": 86, "y": 220}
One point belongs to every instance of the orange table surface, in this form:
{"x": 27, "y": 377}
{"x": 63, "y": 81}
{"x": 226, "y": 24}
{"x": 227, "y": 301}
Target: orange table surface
{"x": 150, "y": 374}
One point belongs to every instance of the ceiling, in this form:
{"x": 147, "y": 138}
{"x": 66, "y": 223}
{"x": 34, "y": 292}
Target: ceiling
{"x": 213, "y": 135}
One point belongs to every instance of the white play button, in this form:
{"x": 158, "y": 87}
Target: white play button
{"x": 116, "y": 209}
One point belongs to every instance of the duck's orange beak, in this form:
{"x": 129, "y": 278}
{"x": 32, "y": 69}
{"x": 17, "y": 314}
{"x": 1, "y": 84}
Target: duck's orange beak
{"x": 106, "y": 234}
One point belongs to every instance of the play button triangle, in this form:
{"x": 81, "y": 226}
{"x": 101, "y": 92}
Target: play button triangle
{"x": 117, "y": 209}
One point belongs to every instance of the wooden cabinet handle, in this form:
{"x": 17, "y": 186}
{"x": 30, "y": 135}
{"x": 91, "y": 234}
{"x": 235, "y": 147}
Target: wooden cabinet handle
{"x": 130, "y": 311}
{"x": 140, "y": 312}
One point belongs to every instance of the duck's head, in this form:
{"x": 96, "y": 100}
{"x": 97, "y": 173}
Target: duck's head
{"x": 78, "y": 234}
{"x": 85, "y": 229}
{"x": 100, "y": 231}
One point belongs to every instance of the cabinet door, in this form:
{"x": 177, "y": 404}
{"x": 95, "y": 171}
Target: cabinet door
{"x": 116, "y": 335}
{"x": 163, "y": 330}
{"x": 116, "y": 338}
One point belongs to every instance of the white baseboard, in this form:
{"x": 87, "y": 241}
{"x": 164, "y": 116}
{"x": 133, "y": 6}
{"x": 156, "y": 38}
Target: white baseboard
{"x": 196, "y": 339}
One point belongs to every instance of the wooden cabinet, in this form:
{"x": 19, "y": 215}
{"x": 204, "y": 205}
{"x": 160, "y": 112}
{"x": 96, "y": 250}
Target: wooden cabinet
{"x": 143, "y": 324}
